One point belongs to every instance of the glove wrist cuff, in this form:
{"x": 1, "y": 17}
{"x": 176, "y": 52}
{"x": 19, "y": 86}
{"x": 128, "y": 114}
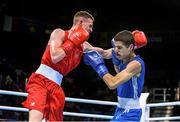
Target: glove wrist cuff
{"x": 102, "y": 70}
{"x": 67, "y": 47}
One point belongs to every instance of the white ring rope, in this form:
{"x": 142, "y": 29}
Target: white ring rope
{"x": 99, "y": 102}
{"x": 164, "y": 118}
{"x": 68, "y": 99}
{"x": 14, "y": 108}
{"x": 13, "y": 93}
{"x": 163, "y": 104}
{"x": 64, "y": 113}
{"x": 88, "y": 115}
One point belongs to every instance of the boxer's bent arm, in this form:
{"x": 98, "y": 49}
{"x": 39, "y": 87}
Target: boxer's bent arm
{"x": 132, "y": 69}
{"x": 56, "y": 40}
{"x": 107, "y": 54}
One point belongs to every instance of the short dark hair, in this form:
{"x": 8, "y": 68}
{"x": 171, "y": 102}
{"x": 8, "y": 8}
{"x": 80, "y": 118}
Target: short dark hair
{"x": 126, "y": 37}
{"x": 84, "y": 14}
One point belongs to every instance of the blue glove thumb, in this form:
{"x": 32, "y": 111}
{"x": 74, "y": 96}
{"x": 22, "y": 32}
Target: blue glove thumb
{"x": 115, "y": 60}
{"x": 95, "y": 60}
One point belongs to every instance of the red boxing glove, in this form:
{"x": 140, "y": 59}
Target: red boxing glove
{"x": 75, "y": 38}
{"x": 78, "y": 35}
{"x": 140, "y": 39}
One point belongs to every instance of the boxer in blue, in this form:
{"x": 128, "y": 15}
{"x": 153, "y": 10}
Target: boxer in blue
{"x": 129, "y": 79}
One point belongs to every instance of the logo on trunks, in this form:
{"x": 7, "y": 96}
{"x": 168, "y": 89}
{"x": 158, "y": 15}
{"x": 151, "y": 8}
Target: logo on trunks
{"x": 33, "y": 103}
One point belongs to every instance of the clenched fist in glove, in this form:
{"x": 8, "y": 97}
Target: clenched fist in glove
{"x": 75, "y": 38}
{"x": 95, "y": 60}
{"x": 140, "y": 39}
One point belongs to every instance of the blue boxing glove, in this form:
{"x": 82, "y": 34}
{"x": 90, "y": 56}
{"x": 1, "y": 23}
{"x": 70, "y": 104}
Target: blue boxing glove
{"x": 115, "y": 60}
{"x": 95, "y": 60}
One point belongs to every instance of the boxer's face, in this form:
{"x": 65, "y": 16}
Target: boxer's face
{"x": 121, "y": 50}
{"x": 88, "y": 24}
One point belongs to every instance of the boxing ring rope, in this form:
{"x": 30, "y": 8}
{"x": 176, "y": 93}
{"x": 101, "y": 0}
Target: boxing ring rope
{"x": 78, "y": 100}
{"x": 68, "y": 99}
{"x": 146, "y": 107}
{"x": 162, "y": 105}
{"x": 64, "y": 113}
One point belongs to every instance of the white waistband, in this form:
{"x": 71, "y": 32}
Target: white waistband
{"x": 50, "y": 73}
{"x": 128, "y": 103}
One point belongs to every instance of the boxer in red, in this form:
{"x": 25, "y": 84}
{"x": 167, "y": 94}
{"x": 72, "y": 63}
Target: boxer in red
{"x": 63, "y": 53}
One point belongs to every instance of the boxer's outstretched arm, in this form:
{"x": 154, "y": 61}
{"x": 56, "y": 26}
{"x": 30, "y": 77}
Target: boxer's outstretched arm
{"x": 105, "y": 53}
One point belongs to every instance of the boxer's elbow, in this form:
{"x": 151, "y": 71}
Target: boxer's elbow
{"x": 110, "y": 82}
{"x": 54, "y": 59}
{"x": 112, "y": 86}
